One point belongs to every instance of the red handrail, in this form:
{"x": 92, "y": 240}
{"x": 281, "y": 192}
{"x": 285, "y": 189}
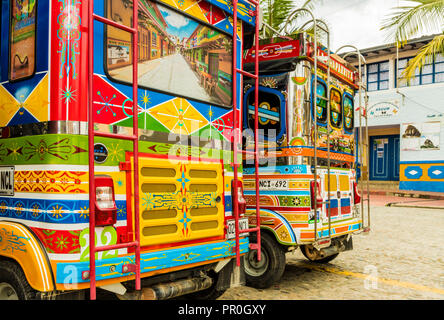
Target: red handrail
{"x": 93, "y": 249}
{"x": 236, "y": 131}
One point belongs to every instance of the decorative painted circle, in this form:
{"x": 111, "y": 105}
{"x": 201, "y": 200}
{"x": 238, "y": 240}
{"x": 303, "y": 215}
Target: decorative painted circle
{"x": 100, "y": 153}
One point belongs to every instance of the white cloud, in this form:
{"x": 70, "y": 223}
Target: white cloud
{"x": 175, "y": 20}
{"x": 356, "y": 22}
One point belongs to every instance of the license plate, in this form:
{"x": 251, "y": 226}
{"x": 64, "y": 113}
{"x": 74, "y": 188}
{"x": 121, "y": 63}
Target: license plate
{"x": 231, "y": 229}
{"x": 6, "y": 181}
{"x": 273, "y": 184}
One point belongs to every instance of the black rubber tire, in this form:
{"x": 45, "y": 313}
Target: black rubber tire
{"x": 272, "y": 251}
{"x": 322, "y": 260}
{"x": 12, "y": 274}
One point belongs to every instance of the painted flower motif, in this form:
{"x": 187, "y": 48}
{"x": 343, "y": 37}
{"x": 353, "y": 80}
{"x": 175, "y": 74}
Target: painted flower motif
{"x": 283, "y": 234}
{"x": 183, "y": 199}
{"x": 57, "y": 211}
{"x": 3, "y": 207}
{"x": 84, "y": 212}
{"x": 121, "y": 210}
{"x": 62, "y": 243}
{"x": 35, "y": 210}
{"x": 296, "y": 201}
{"x": 19, "y": 208}
{"x": 148, "y": 201}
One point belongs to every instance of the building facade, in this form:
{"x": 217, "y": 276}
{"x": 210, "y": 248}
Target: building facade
{"x": 405, "y": 119}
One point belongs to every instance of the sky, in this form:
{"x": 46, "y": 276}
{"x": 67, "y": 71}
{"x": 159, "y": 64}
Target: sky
{"x": 178, "y": 25}
{"x": 356, "y": 22}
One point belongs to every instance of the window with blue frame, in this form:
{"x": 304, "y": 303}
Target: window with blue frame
{"x": 378, "y": 76}
{"x": 269, "y": 112}
{"x": 348, "y": 112}
{"x": 321, "y": 103}
{"x": 431, "y": 72}
{"x": 335, "y": 108}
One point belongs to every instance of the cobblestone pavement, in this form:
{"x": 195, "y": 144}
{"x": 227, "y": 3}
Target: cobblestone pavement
{"x": 401, "y": 258}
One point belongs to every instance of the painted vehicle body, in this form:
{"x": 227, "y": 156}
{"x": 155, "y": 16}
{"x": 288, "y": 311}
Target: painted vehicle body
{"x": 286, "y": 116}
{"x": 185, "y": 191}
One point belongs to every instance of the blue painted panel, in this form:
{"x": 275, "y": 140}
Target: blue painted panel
{"x": 436, "y": 172}
{"x": 52, "y": 211}
{"x": 433, "y": 186}
{"x": 71, "y": 272}
{"x": 413, "y": 172}
{"x": 292, "y": 169}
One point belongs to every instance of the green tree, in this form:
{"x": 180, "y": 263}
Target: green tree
{"x": 276, "y": 13}
{"x": 407, "y": 22}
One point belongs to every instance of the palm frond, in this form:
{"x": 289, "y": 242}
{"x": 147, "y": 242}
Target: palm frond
{"x": 424, "y": 56}
{"x": 409, "y": 21}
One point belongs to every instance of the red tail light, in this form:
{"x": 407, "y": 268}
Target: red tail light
{"x": 241, "y": 201}
{"x": 242, "y": 204}
{"x": 105, "y": 208}
{"x": 316, "y": 200}
{"x": 356, "y": 195}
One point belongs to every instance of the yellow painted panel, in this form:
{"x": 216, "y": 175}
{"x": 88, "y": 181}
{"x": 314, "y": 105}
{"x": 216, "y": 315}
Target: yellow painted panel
{"x": 19, "y": 244}
{"x": 333, "y": 182}
{"x": 37, "y": 103}
{"x": 8, "y": 106}
{"x": 180, "y": 201}
{"x": 344, "y": 182}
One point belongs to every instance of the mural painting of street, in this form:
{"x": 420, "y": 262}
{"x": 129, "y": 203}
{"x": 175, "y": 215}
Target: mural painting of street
{"x": 176, "y": 54}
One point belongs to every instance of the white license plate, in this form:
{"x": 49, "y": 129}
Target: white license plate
{"x": 273, "y": 184}
{"x": 231, "y": 229}
{"x": 6, "y": 181}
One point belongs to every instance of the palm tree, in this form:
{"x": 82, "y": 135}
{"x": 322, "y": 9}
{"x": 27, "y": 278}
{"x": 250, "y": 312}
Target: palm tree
{"x": 276, "y": 12}
{"x": 407, "y": 22}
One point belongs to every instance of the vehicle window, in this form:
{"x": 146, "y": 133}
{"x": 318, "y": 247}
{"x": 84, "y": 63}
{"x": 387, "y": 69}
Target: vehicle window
{"x": 22, "y": 39}
{"x": 269, "y": 113}
{"x": 321, "y": 104}
{"x": 348, "y": 113}
{"x": 182, "y": 56}
{"x": 335, "y": 108}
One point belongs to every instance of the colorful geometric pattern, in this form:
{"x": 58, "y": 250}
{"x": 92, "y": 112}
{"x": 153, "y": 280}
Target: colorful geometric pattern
{"x": 51, "y": 181}
{"x": 36, "y": 149}
{"x": 427, "y": 176}
{"x": 10, "y": 242}
{"x": 179, "y": 116}
{"x": 152, "y": 261}
{"x": 51, "y": 210}
{"x": 26, "y": 102}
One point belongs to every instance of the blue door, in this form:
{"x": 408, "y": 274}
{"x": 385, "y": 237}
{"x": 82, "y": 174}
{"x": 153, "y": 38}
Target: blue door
{"x": 384, "y": 158}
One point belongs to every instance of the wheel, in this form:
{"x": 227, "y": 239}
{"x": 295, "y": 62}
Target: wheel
{"x": 310, "y": 253}
{"x": 13, "y": 283}
{"x": 262, "y": 274}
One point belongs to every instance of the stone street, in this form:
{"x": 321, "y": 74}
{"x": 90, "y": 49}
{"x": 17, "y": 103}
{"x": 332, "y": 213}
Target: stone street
{"x": 401, "y": 258}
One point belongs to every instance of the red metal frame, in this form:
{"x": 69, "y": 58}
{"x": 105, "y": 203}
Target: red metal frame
{"x": 237, "y": 130}
{"x": 134, "y": 137}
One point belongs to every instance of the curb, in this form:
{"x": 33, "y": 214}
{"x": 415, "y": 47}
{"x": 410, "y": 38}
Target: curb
{"x": 406, "y": 194}
{"x": 401, "y": 205}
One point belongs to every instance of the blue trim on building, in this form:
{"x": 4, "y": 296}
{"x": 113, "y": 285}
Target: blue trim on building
{"x": 433, "y": 186}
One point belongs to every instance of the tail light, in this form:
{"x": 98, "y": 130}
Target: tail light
{"x": 356, "y": 195}
{"x": 316, "y": 199}
{"x": 105, "y": 208}
{"x": 242, "y": 204}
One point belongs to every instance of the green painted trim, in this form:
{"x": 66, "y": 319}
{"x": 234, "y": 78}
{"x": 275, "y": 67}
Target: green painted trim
{"x": 73, "y": 149}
